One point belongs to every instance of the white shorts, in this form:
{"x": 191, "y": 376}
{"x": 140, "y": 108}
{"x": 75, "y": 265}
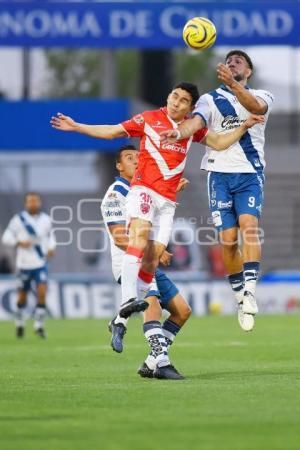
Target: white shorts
{"x": 143, "y": 203}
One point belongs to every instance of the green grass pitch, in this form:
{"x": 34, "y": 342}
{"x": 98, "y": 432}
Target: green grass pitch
{"x": 242, "y": 391}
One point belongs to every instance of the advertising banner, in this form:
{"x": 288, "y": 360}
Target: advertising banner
{"x": 144, "y": 24}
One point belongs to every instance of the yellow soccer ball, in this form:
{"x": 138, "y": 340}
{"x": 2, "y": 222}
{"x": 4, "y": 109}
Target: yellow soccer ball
{"x": 199, "y": 33}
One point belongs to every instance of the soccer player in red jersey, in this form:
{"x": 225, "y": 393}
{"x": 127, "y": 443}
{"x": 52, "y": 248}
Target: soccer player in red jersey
{"x": 151, "y": 201}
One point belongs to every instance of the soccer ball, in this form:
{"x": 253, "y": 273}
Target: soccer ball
{"x": 199, "y": 33}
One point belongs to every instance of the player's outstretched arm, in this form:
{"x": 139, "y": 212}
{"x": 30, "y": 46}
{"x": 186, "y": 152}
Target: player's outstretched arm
{"x": 185, "y": 130}
{"x": 221, "y": 141}
{"x": 66, "y": 123}
{"x": 253, "y": 104}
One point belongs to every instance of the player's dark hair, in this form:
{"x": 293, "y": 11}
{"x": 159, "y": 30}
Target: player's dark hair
{"x": 122, "y": 149}
{"x": 190, "y": 88}
{"x": 240, "y": 53}
{"x": 36, "y": 194}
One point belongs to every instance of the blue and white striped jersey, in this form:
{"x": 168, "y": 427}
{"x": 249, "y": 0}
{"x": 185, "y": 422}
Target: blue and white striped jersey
{"x": 222, "y": 112}
{"x": 114, "y": 212}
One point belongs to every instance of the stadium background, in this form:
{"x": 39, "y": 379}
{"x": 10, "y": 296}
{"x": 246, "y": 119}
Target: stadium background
{"x": 100, "y": 63}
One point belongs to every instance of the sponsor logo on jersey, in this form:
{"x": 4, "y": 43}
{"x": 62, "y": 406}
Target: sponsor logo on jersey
{"x": 225, "y": 205}
{"x": 158, "y": 124}
{"x": 175, "y": 148}
{"x": 139, "y": 119}
{"x": 230, "y": 122}
{"x": 211, "y": 161}
{"x": 113, "y": 204}
{"x": 112, "y": 195}
{"x": 217, "y": 220}
{"x": 113, "y": 213}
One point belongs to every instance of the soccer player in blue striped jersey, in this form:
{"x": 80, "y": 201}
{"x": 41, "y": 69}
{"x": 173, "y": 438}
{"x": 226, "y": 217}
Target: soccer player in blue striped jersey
{"x": 236, "y": 175}
{"x": 162, "y": 293}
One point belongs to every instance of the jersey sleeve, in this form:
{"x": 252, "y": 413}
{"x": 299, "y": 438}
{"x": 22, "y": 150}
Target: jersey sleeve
{"x": 266, "y": 96}
{"x": 113, "y": 207}
{"x": 134, "y": 127}
{"x": 202, "y": 108}
{"x": 10, "y": 235}
{"x": 200, "y": 134}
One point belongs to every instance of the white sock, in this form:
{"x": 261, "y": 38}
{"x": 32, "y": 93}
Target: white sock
{"x": 151, "y": 362}
{"x": 20, "y": 317}
{"x": 120, "y": 319}
{"x": 39, "y": 317}
{"x": 130, "y": 269}
{"x": 239, "y": 296}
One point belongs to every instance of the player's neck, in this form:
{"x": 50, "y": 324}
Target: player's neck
{"x": 125, "y": 177}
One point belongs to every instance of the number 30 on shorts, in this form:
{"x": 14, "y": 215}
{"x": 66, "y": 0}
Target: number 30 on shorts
{"x": 251, "y": 202}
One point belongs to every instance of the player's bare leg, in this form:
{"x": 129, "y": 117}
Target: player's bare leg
{"x": 40, "y": 311}
{"x": 251, "y": 256}
{"x": 20, "y": 316}
{"x": 138, "y": 238}
{"x": 179, "y": 311}
{"x": 233, "y": 261}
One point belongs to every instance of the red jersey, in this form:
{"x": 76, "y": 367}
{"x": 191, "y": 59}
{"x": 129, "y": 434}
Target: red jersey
{"x": 160, "y": 165}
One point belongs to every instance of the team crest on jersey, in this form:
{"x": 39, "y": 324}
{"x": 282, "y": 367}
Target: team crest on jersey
{"x": 145, "y": 208}
{"x": 139, "y": 119}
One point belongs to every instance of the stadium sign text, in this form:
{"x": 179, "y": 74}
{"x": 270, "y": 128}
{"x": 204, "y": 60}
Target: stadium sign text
{"x": 142, "y": 25}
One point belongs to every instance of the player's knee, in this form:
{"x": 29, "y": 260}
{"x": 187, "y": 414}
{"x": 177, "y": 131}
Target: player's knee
{"x": 182, "y": 314}
{"x": 186, "y": 312}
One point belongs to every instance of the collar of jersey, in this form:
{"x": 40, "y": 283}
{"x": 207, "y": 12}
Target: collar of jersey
{"x": 225, "y": 88}
{"x": 123, "y": 180}
{"x": 175, "y": 124}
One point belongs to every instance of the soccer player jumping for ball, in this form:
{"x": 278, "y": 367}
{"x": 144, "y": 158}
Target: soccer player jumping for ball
{"x": 151, "y": 201}
{"x": 235, "y": 176}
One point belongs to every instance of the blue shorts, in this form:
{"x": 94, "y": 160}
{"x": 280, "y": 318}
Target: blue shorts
{"x": 233, "y": 194}
{"x": 166, "y": 289}
{"x": 38, "y": 276}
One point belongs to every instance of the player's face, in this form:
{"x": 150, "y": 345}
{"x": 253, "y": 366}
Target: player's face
{"x": 179, "y": 104}
{"x": 33, "y": 204}
{"x": 239, "y": 67}
{"x": 128, "y": 163}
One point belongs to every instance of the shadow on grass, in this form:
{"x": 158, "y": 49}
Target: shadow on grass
{"x": 238, "y": 374}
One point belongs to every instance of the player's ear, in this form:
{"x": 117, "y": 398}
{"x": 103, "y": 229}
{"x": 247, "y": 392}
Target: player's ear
{"x": 249, "y": 73}
{"x": 119, "y": 166}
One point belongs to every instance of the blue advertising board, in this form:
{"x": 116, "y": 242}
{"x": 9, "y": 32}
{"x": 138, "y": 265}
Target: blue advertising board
{"x": 25, "y": 125}
{"x": 144, "y": 24}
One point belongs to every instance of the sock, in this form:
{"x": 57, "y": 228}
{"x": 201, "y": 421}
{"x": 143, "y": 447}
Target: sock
{"x": 251, "y": 270}
{"x": 144, "y": 283}
{"x": 39, "y": 316}
{"x": 20, "y": 315}
{"x": 122, "y": 320}
{"x": 155, "y": 337}
{"x": 236, "y": 281}
{"x": 130, "y": 269}
{"x": 170, "y": 330}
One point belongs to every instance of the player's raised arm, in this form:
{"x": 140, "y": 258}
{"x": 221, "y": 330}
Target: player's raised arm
{"x": 185, "y": 130}
{"x": 221, "y": 141}
{"x": 65, "y": 123}
{"x": 254, "y": 105}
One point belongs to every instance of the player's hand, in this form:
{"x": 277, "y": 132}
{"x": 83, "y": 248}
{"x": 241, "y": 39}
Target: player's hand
{"x": 182, "y": 184}
{"x": 50, "y": 254}
{"x": 168, "y": 136}
{"x": 165, "y": 258}
{"x": 64, "y": 123}
{"x": 24, "y": 244}
{"x": 225, "y": 75}
{"x": 252, "y": 120}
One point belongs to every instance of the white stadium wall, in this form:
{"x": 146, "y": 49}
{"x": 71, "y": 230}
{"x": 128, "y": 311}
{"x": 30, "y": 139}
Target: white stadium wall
{"x": 90, "y": 298}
